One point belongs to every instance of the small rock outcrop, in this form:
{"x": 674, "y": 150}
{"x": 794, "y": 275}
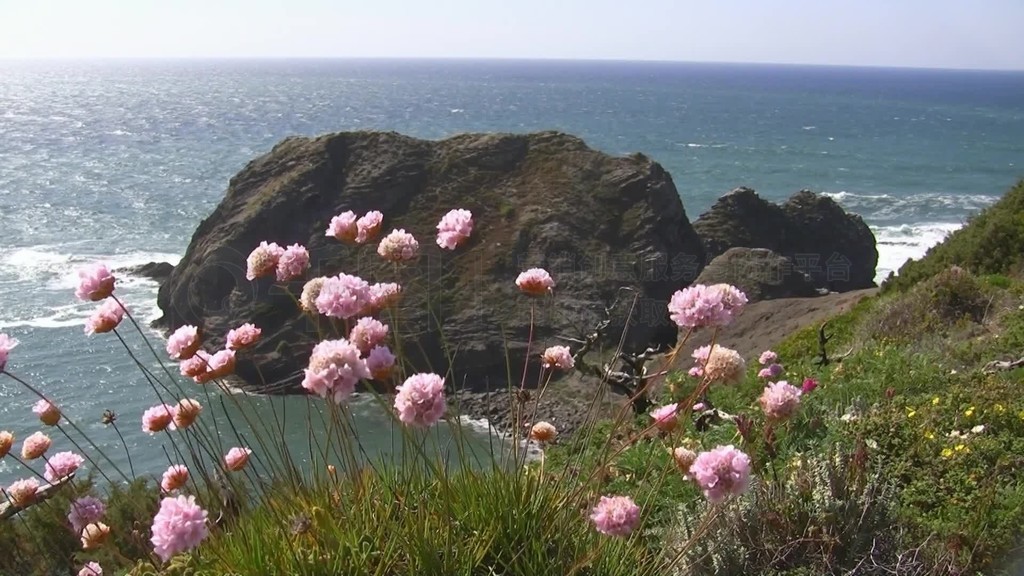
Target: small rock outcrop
{"x": 597, "y": 223}
{"x": 834, "y": 248}
{"x": 760, "y": 273}
{"x": 158, "y": 271}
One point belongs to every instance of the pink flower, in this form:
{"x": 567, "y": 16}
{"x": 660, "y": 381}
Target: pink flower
{"x": 719, "y": 364}
{"x": 343, "y": 227}
{"x": 770, "y": 371}
{"x": 6, "y": 345}
{"x": 179, "y": 526}
{"x": 195, "y": 366}
{"x": 263, "y": 260}
{"x": 6, "y": 443}
{"x": 242, "y": 337}
{"x": 368, "y": 227}
{"x": 292, "y": 263}
{"x": 368, "y": 333}
{"x": 779, "y": 400}
{"x": 334, "y": 369}
{"x": 186, "y": 412}
{"x": 665, "y": 417}
{"x": 48, "y": 413}
{"x": 105, "y": 318}
{"x": 721, "y": 472}
{"x": 62, "y": 464}
{"x": 535, "y": 282}
{"x": 94, "y": 283}
{"x": 420, "y": 400}
{"x": 809, "y": 385}
{"x": 699, "y": 407}
{"x": 95, "y": 535}
{"x": 768, "y": 357}
{"x": 219, "y": 365}
{"x": 91, "y": 569}
{"x": 454, "y": 228}
{"x": 183, "y": 343}
{"x": 684, "y": 458}
{"x": 343, "y": 296}
{"x": 84, "y": 511}
{"x": 310, "y": 291}
{"x": 23, "y": 492}
{"x": 35, "y": 446}
{"x": 615, "y": 515}
{"x": 398, "y": 246}
{"x": 174, "y": 478}
{"x": 699, "y": 305}
{"x": 543, "y": 432}
{"x": 158, "y": 418}
{"x": 380, "y": 362}
{"x": 384, "y": 295}
{"x": 236, "y": 459}
{"x": 557, "y": 357}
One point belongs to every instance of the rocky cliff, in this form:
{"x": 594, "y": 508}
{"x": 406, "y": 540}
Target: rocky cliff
{"x": 834, "y": 248}
{"x": 596, "y": 222}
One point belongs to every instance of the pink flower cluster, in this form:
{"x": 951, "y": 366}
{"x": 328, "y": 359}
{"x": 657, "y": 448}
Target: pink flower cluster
{"x": 772, "y": 369}
{"x": 384, "y": 295}
{"x": 535, "y": 282}
{"x": 84, "y": 511}
{"x": 335, "y": 366}
{"x": 91, "y": 569}
{"x": 368, "y": 333}
{"x": 105, "y": 318}
{"x": 23, "y": 492}
{"x": 62, "y": 464}
{"x": 558, "y": 357}
{"x": 780, "y": 400}
{"x": 699, "y": 305}
{"x": 398, "y": 246}
{"x": 179, "y": 526}
{"x": 420, "y": 400}
{"x": 159, "y": 418}
{"x": 6, "y": 345}
{"x": 174, "y": 478}
{"x": 48, "y": 413}
{"x": 242, "y": 337}
{"x": 666, "y": 417}
{"x": 347, "y": 228}
{"x": 343, "y": 296}
{"x": 454, "y": 228}
{"x": 204, "y": 367}
{"x": 721, "y": 472}
{"x": 236, "y": 458}
{"x": 95, "y": 283}
{"x": 615, "y": 515}
{"x": 380, "y": 362}
{"x": 809, "y": 385}
{"x": 35, "y": 446}
{"x": 183, "y": 343}
{"x": 285, "y": 263}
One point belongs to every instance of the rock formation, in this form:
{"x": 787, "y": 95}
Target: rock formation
{"x": 836, "y": 249}
{"x": 596, "y": 222}
{"x": 760, "y": 273}
{"x": 158, "y": 271}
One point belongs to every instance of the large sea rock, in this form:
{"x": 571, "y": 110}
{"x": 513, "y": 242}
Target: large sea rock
{"x": 836, "y": 249}
{"x": 598, "y": 223}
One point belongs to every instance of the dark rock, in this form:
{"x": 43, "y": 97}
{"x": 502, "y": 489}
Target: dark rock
{"x": 158, "y": 271}
{"x": 596, "y": 222}
{"x": 835, "y": 248}
{"x": 760, "y": 273}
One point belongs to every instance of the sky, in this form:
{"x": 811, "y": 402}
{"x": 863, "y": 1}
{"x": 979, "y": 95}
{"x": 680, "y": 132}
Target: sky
{"x": 986, "y": 34}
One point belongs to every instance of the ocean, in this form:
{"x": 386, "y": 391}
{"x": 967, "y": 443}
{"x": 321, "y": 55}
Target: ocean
{"x": 119, "y": 161}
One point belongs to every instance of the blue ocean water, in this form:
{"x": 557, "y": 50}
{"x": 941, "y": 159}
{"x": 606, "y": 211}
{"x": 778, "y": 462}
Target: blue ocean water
{"x": 120, "y": 160}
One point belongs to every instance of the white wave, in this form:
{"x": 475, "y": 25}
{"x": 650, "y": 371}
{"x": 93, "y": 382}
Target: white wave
{"x": 57, "y": 270}
{"x": 897, "y": 244}
{"x": 699, "y": 145}
{"x": 844, "y": 196}
{"x": 809, "y": 127}
{"x": 457, "y": 110}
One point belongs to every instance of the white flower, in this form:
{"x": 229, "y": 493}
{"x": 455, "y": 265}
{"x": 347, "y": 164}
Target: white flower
{"x": 848, "y": 417}
{"x": 978, "y": 429}
{"x": 871, "y": 444}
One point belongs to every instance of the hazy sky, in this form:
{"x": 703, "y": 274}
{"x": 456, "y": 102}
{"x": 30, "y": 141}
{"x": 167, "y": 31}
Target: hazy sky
{"x": 933, "y": 33}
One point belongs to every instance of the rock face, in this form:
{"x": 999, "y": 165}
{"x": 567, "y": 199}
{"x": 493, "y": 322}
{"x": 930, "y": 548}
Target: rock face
{"x": 595, "y": 222}
{"x": 159, "y": 271}
{"x": 760, "y": 273}
{"x": 835, "y": 248}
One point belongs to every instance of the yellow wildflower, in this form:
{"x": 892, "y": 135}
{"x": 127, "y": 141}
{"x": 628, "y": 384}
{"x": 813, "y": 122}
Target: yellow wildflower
{"x": 946, "y": 452}
{"x": 999, "y": 408}
{"x": 969, "y": 412}
{"x": 935, "y": 401}
{"x": 960, "y": 447}
{"x": 929, "y": 435}
{"x": 911, "y": 413}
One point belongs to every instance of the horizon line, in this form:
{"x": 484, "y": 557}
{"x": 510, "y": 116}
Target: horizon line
{"x": 490, "y": 59}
